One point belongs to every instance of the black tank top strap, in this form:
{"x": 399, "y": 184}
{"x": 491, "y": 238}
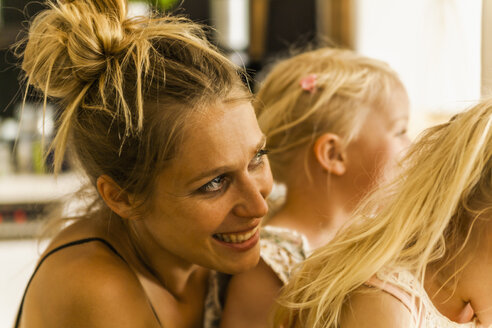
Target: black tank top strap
{"x": 59, "y": 248}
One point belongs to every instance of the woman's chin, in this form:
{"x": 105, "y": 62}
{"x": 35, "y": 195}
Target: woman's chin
{"x": 238, "y": 264}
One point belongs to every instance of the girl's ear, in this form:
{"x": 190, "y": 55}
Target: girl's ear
{"x": 330, "y": 153}
{"x": 116, "y": 198}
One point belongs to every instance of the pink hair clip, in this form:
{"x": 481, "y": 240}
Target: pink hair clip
{"x": 308, "y": 83}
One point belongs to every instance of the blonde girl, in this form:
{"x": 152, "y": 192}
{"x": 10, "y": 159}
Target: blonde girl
{"x": 335, "y": 121}
{"x": 165, "y": 132}
{"x": 424, "y": 260}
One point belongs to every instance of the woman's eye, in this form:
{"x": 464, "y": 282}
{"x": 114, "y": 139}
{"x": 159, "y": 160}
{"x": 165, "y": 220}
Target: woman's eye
{"x": 259, "y": 157}
{"x": 213, "y": 185}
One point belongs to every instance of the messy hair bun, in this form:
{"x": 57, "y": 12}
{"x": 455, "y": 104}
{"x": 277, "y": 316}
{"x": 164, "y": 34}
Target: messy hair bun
{"x": 74, "y": 43}
{"x": 125, "y": 86}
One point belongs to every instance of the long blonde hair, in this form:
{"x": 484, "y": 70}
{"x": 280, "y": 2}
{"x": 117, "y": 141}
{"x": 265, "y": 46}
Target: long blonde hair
{"x": 125, "y": 86}
{"x": 346, "y": 86}
{"x": 424, "y": 216}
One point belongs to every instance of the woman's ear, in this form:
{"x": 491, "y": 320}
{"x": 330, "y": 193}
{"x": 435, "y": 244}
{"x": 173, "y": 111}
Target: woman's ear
{"x": 116, "y": 198}
{"x": 330, "y": 154}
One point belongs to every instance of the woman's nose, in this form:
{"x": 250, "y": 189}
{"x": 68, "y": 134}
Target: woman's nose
{"x": 254, "y": 190}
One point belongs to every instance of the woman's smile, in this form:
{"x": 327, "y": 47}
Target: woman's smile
{"x": 242, "y": 241}
{"x": 226, "y": 182}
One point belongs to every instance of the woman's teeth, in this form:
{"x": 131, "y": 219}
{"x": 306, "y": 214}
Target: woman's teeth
{"x": 235, "y": 237}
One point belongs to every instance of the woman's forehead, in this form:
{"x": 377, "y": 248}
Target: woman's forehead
{"x": 220, "y": 136}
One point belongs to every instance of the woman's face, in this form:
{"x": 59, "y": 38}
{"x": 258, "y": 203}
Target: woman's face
{"x": 210, "y": 200}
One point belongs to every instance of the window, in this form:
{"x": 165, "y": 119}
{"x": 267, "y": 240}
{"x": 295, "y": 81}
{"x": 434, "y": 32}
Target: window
{"x": 434, "y": 45}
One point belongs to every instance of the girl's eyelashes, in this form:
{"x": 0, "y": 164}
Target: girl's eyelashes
{"x": 402, "y": 132}
{"x": 259, "y": 157}
{"x": 214, "y": 185}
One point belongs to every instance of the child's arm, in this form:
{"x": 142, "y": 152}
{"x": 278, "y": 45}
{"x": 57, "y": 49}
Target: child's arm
{"x": 375, "y": 309}
{"x": 477, "y": 279}
{"x": 250, "y": 297}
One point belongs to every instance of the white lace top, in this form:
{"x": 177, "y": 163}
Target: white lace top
{"x": 282, "y": 249}
{"x": 214, "y": 301}
{"x": 408, "y": 284}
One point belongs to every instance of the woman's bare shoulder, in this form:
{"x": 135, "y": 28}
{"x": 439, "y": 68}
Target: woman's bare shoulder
{"x": 371, "y": 307}
{"x": 86, "y": 283}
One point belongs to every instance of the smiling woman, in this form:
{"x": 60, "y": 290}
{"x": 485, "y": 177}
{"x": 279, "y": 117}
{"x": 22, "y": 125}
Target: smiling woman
{"x": 163, "y": 127}
{"x": 214, "y": 192}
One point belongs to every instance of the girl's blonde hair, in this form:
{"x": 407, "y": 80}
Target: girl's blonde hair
{"x": 425, "y": 216}
{"x": 125, "y": 86}
{"x": 346, "y": 85}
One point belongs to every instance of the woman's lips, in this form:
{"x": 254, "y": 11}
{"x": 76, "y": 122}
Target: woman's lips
{"x": 236, "y": 237}
{"x": 239, "y": 240}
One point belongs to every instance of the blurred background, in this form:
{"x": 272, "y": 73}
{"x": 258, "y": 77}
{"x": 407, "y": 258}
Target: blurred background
{"x": 442, "y": 50}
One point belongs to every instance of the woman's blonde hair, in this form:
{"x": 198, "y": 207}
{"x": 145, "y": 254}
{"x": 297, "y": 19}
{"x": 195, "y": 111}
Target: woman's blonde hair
{"x": 345, "y": 86}
{"x": 125, "y": 86}
{"x": 425, "y": 216}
